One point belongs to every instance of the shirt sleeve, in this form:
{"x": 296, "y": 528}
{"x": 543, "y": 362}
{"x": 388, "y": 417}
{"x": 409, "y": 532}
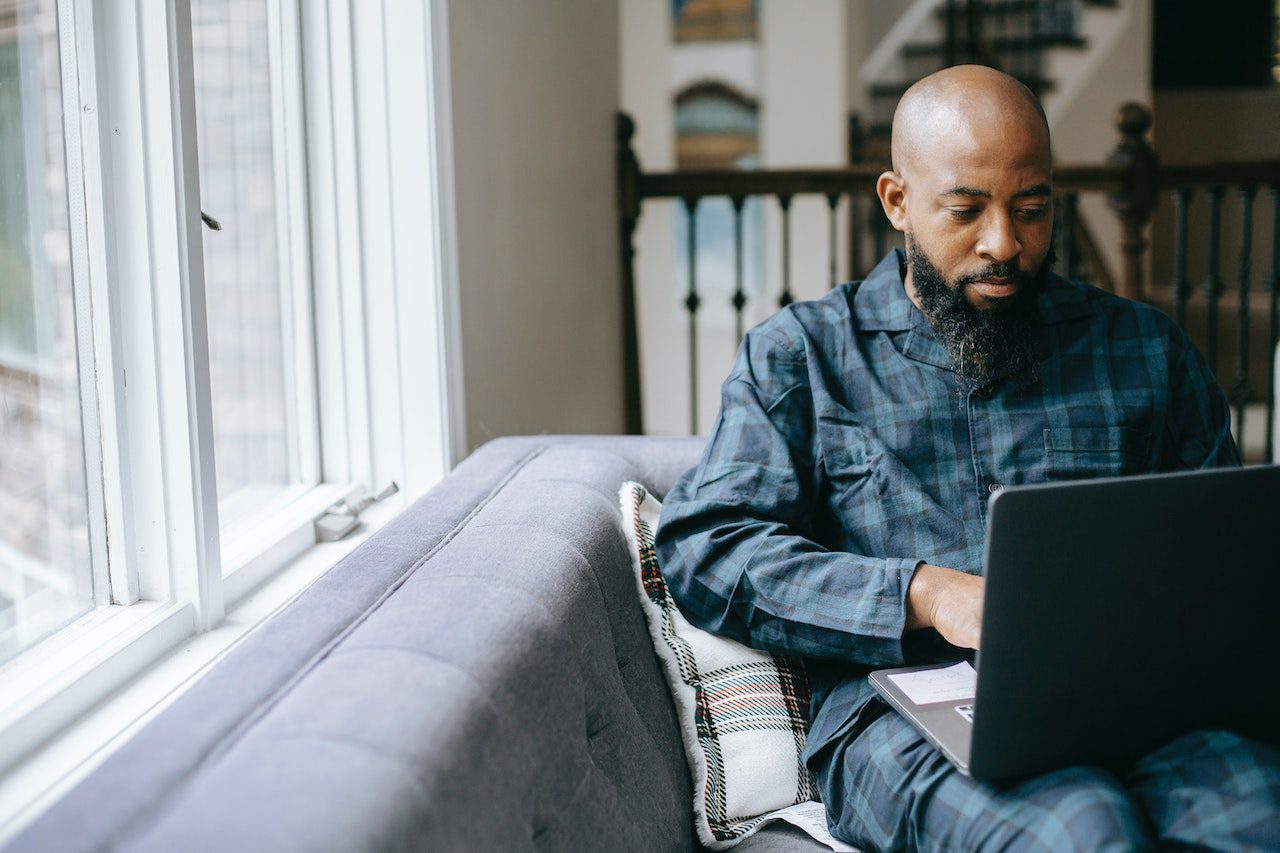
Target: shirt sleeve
{"x": 1198, "y": 433}
{"x": 734, "y": 540}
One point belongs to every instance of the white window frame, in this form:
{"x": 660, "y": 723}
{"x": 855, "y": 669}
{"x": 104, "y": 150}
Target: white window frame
{"x": 389, "y": 405}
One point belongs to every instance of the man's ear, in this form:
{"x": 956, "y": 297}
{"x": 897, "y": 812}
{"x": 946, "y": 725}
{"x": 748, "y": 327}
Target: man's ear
{"x": 892, "y": 190}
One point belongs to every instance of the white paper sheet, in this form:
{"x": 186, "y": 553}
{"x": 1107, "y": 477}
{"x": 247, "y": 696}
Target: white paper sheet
{"x": 812, "y": 818}
{"x": 948, "y": 684}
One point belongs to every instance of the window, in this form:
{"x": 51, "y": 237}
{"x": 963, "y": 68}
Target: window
{"x": 717, "y": 127}
{"x": 179, "y": 402}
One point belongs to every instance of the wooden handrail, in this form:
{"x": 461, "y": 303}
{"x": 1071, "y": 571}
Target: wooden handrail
{"x": 859, "y": 179}
{"x": 1257, "y": 173}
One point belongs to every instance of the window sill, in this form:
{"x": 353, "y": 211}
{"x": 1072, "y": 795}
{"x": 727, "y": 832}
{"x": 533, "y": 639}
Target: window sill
{"x": 137, "y": 678}
{"x": 260, "y": 549}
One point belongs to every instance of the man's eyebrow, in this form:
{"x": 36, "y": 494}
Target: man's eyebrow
{"x": 1038, "y": 189}
{"x": 974, "y": 192}
{"x": 966, "y": 191}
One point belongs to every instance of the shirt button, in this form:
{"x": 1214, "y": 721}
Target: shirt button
{"x": 994, "y": 487}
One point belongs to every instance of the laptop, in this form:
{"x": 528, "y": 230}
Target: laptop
{"x": 1119, "y": 614}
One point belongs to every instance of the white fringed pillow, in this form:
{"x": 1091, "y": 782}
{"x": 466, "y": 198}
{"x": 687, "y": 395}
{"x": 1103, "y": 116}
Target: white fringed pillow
{"x": 743, "y": 713}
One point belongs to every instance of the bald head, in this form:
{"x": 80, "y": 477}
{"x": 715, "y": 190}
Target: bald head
{"x": 963, "y": 102}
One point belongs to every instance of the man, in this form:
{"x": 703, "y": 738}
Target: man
{"x": 838, "y": 512}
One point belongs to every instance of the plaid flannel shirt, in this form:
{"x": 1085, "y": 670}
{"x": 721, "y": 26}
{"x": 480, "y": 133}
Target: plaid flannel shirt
{"x": 847, "y": 451}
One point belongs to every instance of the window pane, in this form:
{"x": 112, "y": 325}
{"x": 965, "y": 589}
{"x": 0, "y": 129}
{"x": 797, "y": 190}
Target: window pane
{"x": 252, "y": 329}
{"x": 45, "y": 574}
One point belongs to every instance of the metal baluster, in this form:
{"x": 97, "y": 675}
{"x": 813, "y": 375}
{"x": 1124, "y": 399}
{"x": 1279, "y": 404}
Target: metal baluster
{"x": 833, "y": 199}
{"x": 1273, "y": 327}
{"x": 1240, "y": 390}
{"x": 786, "y": 298}
{"x": 1212, "y": 282}
{"x": 1181, "y": 287}
{"x": 739, "y": 297}
{"x": 1070, "y": 264}
{"x": 691, "y": 303}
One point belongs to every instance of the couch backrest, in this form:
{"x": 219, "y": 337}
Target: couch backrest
{"x": 476, "y": 676}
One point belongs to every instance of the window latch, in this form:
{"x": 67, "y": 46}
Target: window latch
{"x": 343, "y": 517}
{"x": 214, "y": 225}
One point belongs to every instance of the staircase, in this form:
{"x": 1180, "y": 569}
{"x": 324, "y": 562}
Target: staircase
{"x": 1033, "y": 40}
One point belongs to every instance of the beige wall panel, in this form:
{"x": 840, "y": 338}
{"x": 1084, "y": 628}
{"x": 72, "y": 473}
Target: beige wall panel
{"x": 535, "y": 89}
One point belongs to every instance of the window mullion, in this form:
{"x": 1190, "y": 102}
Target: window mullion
{"x": 179, "y": 296}
{"x": 430, "y": 365}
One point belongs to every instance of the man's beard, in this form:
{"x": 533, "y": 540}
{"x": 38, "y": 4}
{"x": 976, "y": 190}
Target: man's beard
{"x": 984, "y": 345}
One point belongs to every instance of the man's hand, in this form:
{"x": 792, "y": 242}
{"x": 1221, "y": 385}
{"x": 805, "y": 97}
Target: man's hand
{"x": 949, "y": 601}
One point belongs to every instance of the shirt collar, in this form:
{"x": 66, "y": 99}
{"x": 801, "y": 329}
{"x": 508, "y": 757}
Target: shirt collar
{"x": 881, "y": 304}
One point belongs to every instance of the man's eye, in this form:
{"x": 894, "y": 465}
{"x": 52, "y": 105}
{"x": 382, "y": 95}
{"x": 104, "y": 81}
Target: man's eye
{"x": 1033, "y": 212}
{"x": 962, "y": 212}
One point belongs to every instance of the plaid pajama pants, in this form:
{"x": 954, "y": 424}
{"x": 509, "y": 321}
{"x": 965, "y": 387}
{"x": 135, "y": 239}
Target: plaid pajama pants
{"x": 886, "y": 788}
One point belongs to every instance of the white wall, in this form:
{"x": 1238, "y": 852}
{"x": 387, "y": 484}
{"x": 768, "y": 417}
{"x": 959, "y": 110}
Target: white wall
{"x": 803, "y": 125}
{"x": 534, "y": 90}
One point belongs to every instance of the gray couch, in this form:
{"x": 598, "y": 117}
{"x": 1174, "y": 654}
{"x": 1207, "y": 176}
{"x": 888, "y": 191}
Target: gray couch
{"x": 476, "y": 676}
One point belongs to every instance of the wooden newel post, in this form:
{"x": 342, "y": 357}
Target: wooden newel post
{"x": 628, "y": 197}
{"x": 1135, "y": 203}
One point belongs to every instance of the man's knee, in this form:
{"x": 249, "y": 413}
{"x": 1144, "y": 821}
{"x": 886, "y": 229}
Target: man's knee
{"x": 1074, "y": 809}
{"x": 1211, "y": 788}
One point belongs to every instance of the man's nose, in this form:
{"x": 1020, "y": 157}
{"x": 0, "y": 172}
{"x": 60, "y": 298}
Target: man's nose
{"x": 998, "y": 240}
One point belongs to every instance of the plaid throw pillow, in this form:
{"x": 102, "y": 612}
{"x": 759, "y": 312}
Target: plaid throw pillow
{"x": 743, "y": 713}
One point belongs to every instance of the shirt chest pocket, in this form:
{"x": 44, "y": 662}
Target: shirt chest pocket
{"x": 844, "y": 448}
{"x": 1081, "y": 453}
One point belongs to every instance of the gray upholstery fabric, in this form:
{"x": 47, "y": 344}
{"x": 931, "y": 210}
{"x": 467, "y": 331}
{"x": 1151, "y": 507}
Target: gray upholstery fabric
{"x": 477, "y": 676}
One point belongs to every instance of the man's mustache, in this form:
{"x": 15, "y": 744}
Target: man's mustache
{"x": 997, "y": 270}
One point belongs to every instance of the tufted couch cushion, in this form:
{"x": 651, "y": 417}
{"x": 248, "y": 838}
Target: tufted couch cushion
{"x": 476, "y": 676}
